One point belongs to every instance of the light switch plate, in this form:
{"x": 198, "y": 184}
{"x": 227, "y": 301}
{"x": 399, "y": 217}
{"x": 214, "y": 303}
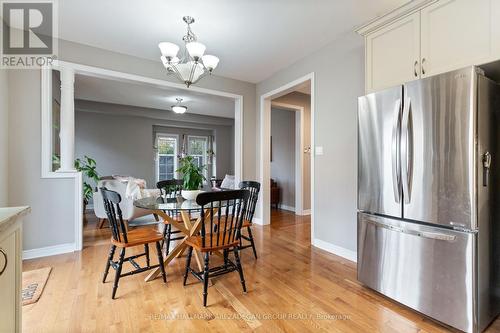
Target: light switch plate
{"x": 319, "y": 150}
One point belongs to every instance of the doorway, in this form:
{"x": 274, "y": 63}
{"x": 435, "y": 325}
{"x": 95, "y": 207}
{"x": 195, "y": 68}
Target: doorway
{"x": 68, "y": 71}
{"x": 296, "y": 97}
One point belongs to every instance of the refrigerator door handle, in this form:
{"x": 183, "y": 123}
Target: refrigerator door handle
{"x": 486, "y": 167}
{"x": 407, "y": 151}
{"x": 417, "y": 233}
{"x": 430, "y": 235}
{"x": 385, "y": 225}
{"x": 395, "y": 152}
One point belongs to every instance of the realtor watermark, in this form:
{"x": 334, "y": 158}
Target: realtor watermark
{"x": 29, "y": 33}
{"x": 251, "y": 316}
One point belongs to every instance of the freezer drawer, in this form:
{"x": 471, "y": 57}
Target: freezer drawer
{"x": 425, "y": 268}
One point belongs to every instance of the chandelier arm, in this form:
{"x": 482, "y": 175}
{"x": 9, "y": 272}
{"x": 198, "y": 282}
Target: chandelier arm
{"x": 205, "y": 73}
{"x": 191, "y": 74}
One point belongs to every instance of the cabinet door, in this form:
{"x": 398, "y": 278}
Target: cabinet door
{"x": 393, "y": 54}
{"x": 8, "y": 285}
{"x": 455, "y": 34}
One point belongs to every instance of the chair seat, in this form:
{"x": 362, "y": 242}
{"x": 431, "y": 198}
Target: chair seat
{"x": 139, "y": 236}
{"x": 195, "y": 242}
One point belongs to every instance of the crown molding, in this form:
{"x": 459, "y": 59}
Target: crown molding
{"x": 395, "y": 14}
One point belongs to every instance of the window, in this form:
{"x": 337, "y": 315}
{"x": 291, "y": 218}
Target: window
{"x": 166, "y": 156}
{"x": 197, "y": 148}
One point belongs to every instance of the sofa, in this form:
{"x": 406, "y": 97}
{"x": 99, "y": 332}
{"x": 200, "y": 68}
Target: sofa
{"x": 129, "y": 211}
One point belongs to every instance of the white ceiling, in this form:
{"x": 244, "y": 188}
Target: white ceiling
{"x": 252, "y": 38}
{"x": 126, "y": 93}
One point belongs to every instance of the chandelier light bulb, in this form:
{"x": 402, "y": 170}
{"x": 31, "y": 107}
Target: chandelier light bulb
{"x": 168, "y": 50}
{"x": 210, "y": 62}
{"x": 196, "y": 50}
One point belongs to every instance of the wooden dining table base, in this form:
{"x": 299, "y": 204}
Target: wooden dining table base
{"x": 188, "y": 228}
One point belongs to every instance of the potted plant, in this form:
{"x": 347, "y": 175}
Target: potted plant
{"x": 192, "y": 175}
{"x": 88, "y": 168}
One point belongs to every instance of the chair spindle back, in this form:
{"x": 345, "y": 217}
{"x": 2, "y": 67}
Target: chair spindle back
{"x": 222, "y": 228}
{"x": 254, "y": 189}
{"x": 170, "y": 188}
{"x": 112, "y": 201}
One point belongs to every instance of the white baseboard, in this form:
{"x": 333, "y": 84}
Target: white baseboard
{"x": 306, "y": 212}
{"x": 49, "y": 251}
{"x": 337, "y": 250}
{"x": 285, "y": 207}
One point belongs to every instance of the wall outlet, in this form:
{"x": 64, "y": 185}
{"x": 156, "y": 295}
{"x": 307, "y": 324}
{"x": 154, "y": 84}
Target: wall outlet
{"x": 319, "y": 150}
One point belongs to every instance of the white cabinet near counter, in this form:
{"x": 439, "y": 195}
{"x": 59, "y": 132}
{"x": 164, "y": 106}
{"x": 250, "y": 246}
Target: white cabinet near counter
{"x": 11, "y": 267}
{"x": 429, "y": 37}
{"x": 455, "y": 34}
{"x": 393, "y": 54}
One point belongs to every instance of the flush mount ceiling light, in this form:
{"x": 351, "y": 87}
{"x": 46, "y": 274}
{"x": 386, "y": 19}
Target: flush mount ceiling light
{"x": 191, "y": 65}
{"x": 178, "y": 108}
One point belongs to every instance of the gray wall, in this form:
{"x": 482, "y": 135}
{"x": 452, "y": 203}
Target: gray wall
{"x": 339, "y": 80}
{"x": 52, "y": 200}
{"x": 123, "y": 144}
{"x": 4, "y": 130}
{"x": 303, "y": 100}
{"x": 283, "y": 154}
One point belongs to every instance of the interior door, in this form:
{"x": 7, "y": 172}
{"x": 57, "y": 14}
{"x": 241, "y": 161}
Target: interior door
{"x": 379, "y": 178}
{"x": 437, "y": 149}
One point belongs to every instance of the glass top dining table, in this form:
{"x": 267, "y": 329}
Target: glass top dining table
{"x": 171, "y": 204}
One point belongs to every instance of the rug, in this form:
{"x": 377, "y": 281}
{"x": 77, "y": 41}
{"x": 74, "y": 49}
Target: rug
{"x": 33, "y": 284}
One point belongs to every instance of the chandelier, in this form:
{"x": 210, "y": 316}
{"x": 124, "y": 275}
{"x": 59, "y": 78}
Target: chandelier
{"x": 191, "y": 64}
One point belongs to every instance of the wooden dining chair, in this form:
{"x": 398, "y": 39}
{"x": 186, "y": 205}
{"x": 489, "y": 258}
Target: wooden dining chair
{"x": 254, "y": 189}
{"x": 220, "y": 231}
{"x": 170, "y": 188}
{"x": 124, "y": 239}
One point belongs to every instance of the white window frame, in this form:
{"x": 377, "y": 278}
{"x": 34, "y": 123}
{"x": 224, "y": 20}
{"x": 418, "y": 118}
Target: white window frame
{"x": 157, "y": 154}
{"x": 205, "y": 156}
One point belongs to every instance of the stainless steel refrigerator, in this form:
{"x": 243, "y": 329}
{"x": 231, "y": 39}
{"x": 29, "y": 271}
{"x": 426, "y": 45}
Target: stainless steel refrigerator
{"x": 427, "y": 196}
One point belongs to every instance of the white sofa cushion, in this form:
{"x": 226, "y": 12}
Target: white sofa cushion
{"x": 228, "y": 182}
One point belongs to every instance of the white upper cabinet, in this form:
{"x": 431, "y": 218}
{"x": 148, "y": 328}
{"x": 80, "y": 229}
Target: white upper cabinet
{"x": 428, "y": 37}
{"x": 455, "y": 34}
{"x": 393, "y": 54}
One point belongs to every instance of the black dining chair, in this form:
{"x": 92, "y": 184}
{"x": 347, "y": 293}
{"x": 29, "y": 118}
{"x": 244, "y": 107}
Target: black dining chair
{"x": 124, "y": 239}
{"x": 254, "y": 189}
{"x": 220, "y": 231}
{"x": 170, "y": 189}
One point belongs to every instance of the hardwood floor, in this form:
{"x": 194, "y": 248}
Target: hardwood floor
{"x": 292, "y": 287}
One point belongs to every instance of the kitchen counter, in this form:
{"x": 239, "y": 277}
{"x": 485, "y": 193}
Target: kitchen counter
{"x": 9, "y": 215}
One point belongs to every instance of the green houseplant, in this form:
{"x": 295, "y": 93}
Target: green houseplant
{"x": 192, "y": 175}
{"x": 88, "y": 167}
